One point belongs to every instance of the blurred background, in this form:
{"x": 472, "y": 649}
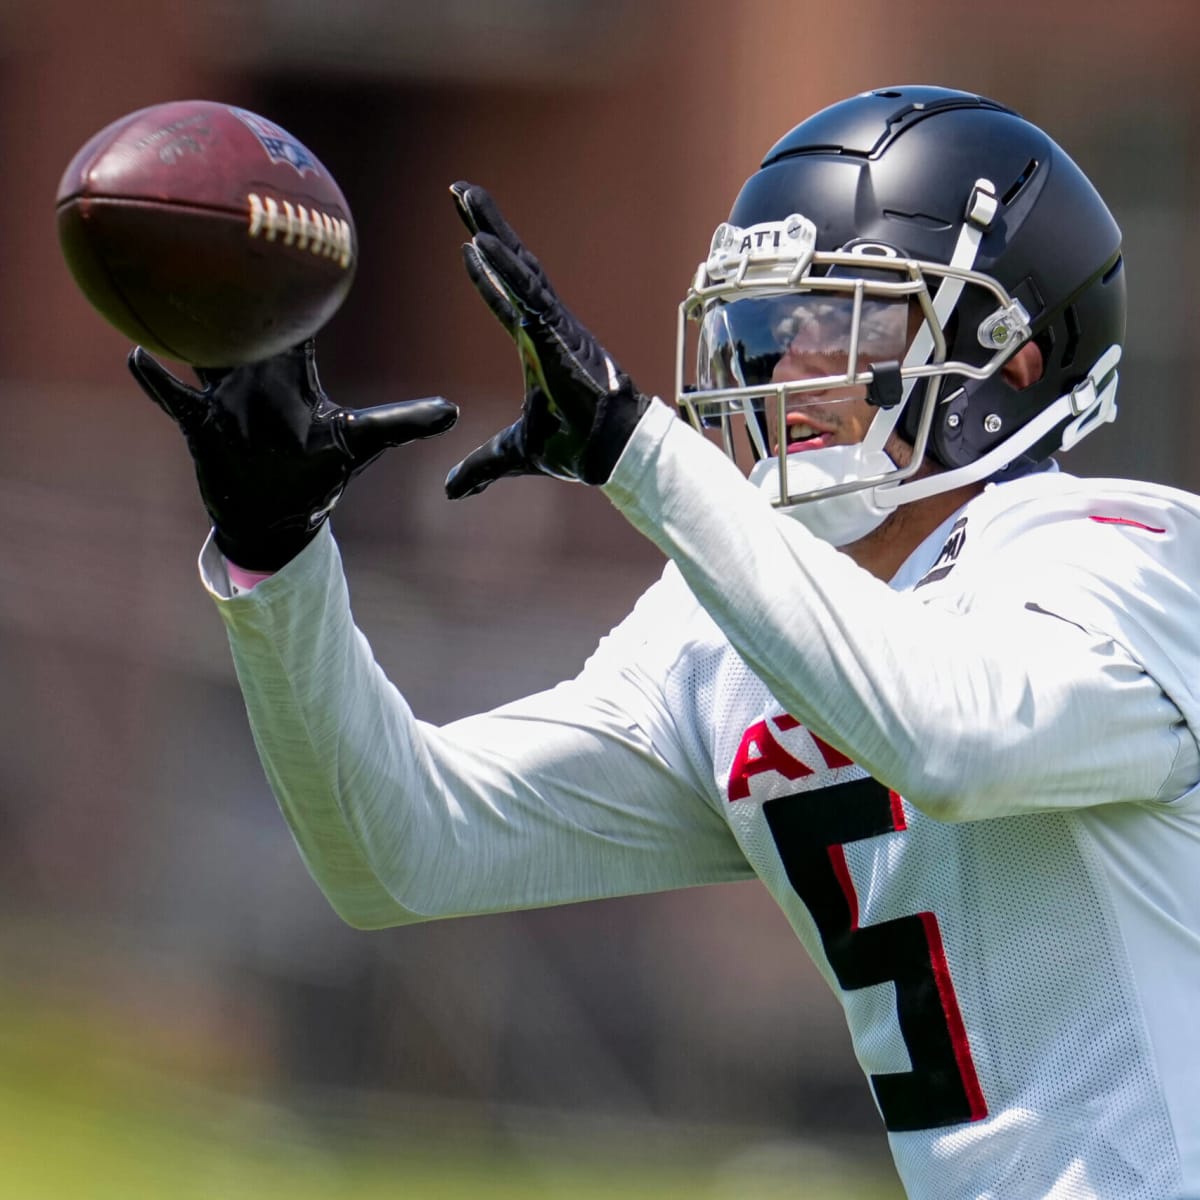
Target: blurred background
{"x": 180, "y": 1013}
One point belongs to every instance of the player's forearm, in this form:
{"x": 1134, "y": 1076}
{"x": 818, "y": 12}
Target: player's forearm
{"x": 293, "y": 667}
{"x": 375, "y": 801}
{"x": 401, "y": 821}
{"x": 940, "y": 707}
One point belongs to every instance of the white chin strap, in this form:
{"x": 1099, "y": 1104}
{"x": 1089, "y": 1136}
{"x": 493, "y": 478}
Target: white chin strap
{"x": 846, "y": 517}
{"x": 1089, "y": 404}
{"x": 838, "y": 520}
{"x": 981, "y": 209}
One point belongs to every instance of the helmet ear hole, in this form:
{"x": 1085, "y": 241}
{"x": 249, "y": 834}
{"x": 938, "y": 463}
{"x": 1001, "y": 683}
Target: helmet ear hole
{"x": 1025, "y": 368}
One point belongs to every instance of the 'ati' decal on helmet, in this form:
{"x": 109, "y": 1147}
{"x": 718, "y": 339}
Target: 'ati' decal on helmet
{"x": 278, "y": 143}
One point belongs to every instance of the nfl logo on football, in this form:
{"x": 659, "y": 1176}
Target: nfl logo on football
{"x": 276, "y": 142}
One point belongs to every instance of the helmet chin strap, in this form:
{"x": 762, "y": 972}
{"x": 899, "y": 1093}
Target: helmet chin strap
{"x": 1090, "y": 403}
{"x": 838, "y": 519}
{"x": 980, "y": 210}
{"x": 845, "y": 517}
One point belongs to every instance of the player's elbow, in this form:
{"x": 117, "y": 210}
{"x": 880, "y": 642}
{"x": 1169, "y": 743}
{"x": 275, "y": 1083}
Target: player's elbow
{"x": 360, "y": 917}
{"x": 370, "y": 912}
{"x": 949, "y": 807}
{"x": 357, "y": 916}
{"x": 950, "y": 788}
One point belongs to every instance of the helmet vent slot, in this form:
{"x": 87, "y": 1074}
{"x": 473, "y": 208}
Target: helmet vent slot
{"x": 924, "y": 220}
{"x": 1020, "y": 181}
{"x": 1073, "y": 334}
{"x": 1113, "y": 270}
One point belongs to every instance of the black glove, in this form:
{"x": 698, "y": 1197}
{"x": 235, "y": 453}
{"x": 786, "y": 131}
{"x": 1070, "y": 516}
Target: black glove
{"x": 580, "y": 408}
{"x": 273, "y": 453}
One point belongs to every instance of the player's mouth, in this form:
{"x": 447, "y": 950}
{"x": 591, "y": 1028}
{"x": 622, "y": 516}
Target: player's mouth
{"x": 803, "y": 434}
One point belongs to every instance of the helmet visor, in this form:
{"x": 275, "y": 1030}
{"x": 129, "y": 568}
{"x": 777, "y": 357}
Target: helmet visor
{"x": 761, "y": 357}
{"x": 815, "y": 340}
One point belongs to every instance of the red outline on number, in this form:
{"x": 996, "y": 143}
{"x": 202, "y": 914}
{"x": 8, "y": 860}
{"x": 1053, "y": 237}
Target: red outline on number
{"x": 954, "y": 1021}
{"x": 941, "y": 974}
{"x": 837, "y": 859}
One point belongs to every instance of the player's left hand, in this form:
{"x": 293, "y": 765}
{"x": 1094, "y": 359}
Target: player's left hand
{"x": 580, "y": 408}
{"x": 272, "y": 452}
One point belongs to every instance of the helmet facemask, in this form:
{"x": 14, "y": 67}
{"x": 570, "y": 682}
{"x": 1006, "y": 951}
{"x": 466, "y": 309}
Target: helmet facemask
{"x": 775, "y": 327}
{"x": 993, "y": 237}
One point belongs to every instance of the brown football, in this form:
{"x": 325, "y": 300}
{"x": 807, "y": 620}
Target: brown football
{"x": 206, "y": 233}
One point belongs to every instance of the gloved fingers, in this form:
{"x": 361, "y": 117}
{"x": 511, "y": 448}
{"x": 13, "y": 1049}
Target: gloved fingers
{"x": 548, "y": 335}
{"x": 503, "y": 455}
{"x": 480, "y": 214}
{"x": 466, "y": 203}
{"x": 490, "y": 288}
{"x": 559, "y": 356}
{"x": 527, "y": 290}
{"x": 181, "y": 402}
{"x": 367, "y": 432}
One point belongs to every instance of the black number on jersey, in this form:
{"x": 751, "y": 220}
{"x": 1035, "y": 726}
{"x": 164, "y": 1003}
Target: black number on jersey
{"x": 810, "y": 829}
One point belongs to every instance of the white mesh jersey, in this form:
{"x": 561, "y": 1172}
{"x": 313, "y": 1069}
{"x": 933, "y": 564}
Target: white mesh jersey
{"x": 973, "y": 794}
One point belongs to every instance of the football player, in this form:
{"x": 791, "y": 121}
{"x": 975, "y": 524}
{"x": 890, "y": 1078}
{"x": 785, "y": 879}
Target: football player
{"x": 941, "y": 697}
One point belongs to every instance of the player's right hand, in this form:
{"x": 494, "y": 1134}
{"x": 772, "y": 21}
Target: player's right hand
{"x": 579, "y": 407}
{"x": 273, "y": 453}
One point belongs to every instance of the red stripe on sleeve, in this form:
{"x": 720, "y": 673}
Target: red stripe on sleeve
{"x": 1124, "y": 521}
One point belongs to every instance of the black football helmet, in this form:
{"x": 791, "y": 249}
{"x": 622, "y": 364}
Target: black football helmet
{"x": 943, "y": 211}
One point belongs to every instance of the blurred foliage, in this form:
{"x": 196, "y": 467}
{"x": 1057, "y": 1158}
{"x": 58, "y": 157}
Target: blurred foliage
{"x": 90, "y": 1109}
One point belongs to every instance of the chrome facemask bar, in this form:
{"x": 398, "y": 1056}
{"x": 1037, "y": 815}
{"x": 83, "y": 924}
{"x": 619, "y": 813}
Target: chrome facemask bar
{"x": 1002, "y": 331}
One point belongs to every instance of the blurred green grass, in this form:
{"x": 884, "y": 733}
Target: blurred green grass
{"x": 105, "y": 1108}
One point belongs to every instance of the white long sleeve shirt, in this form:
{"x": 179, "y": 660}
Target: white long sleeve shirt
{"x": 973, "y": 792}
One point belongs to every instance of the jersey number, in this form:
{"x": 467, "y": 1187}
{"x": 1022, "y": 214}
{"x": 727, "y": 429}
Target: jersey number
{"x": 810, "y": 829}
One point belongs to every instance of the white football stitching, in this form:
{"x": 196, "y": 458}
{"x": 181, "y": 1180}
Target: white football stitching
{"x": 306, "y": 229}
